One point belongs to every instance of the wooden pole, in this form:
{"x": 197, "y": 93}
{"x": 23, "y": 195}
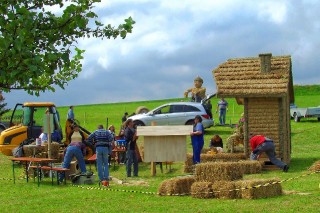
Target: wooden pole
{"x": 153, "y": 164}
{"x": 49, "y": 135}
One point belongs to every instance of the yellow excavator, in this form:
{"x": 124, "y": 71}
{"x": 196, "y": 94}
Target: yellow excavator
{"x": 26, "y": 122}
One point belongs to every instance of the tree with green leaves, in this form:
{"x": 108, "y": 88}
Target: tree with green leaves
{"x": 3, "y": 109}
{"x": 38, "y": 47}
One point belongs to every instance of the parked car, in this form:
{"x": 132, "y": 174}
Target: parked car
{"x": 176, "y": 113}
{"x": 298, "y": 113}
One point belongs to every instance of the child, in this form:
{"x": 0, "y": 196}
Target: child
{"x": 216, "y": 141}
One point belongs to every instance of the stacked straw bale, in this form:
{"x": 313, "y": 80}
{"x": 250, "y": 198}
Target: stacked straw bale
{"x": 219, "y": 157}
{"x": 250, "y": 166}
{"x": 315, "y": 166}
{"x": 176, "y": 186}
{"x": 202, "y": 190}
{"x": 54, "y": 148}
{"x": 225, "y": 190}
{"x": 28, "y": 151}
{"x": 222, "y": 171}
{"x": 42, "y": 151}
{"x": 257, "y": 188}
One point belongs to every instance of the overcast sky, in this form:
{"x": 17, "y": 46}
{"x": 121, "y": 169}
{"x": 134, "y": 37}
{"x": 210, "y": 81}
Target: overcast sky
{"x": 175, "y": 41}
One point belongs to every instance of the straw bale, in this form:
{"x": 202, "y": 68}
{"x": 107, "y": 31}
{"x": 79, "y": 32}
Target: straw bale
{"x": 55, "y": 150}
{"x": 250, "y": 166}
{"x": 218, "y": 171}
{"x": 28, "y": 151}
{"x": 225, "y": 190}
{"x": 176, "y": 186}
{"x": 258, "y": 188}
{"x": 188, "y": 164}
{"x": 202, "y": 190}
{"x": 61, "y": 157}
{"x": 165, "y": 188}
{"x": 315, "y": 166}
{"x": 219, "y": 157}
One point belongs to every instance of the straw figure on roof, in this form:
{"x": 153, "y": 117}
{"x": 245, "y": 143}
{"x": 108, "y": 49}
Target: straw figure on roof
{"x": 197, "y": 92}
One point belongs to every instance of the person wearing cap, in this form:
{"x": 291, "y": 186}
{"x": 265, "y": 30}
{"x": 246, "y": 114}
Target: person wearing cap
{"x": 197, "y": 139}
{"x": 260, "y": 144}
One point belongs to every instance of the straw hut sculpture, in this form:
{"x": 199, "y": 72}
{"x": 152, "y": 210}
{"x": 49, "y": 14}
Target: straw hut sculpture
{"x": 264, "y": 86}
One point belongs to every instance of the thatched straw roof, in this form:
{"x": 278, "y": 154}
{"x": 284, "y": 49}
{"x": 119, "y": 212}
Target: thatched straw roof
{"x": 242, "y": 77}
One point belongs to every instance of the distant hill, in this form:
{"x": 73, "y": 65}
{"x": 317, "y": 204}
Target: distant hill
{"x": 301, "y": 90}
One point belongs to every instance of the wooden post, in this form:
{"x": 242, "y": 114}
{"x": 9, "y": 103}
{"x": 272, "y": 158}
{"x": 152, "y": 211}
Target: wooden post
{"x": 49, "y": 135}
{"x": 153, "y": 164}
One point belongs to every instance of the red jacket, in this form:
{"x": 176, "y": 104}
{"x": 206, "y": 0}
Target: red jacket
{"x": 256, "y": 141}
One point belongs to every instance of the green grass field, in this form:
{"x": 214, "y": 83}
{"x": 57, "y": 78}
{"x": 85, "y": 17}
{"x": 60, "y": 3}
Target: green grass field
{"x": 302, "y": 193}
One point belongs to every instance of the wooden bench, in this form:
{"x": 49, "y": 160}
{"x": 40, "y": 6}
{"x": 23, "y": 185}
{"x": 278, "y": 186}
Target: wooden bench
{"x": 58, "y": 170}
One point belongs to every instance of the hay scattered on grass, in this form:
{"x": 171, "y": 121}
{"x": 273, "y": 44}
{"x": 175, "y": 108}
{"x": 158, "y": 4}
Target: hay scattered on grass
{"x": 257, "y": 188}
{"x": 315, "y": 166}
{"x": 202, "y": 190}
{"x": 176, "y": 186}
{"x": 218, "y": 171}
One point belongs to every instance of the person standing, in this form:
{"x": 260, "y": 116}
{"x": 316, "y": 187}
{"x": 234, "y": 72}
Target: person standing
{"x": 197, "y": 138}
{"x": 103, "y": 140}
{"x": 222, "y": 106}
{"x": 70, "y": 115}
{"x": 131, "y": 137}
{"x": 260, "y": 144}
{"x": 124, "y": 117}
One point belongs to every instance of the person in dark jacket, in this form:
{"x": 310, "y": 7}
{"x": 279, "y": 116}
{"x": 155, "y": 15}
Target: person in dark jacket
{"x": 131, "y": 137}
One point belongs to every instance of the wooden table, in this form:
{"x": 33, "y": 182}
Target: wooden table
{"x": 28, "y": 161}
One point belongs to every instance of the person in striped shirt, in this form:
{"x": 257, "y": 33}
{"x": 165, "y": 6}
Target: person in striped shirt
{"x": 102, "y": 139}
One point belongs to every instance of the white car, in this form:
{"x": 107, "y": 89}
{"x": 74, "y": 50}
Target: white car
{"x": 176, "y": 113}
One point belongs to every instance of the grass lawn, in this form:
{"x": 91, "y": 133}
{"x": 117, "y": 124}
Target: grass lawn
{"x": 301, "y": 194}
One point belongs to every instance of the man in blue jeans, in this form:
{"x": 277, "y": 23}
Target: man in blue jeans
{"x": 259, "y": 144}
{"x": 103, "y": 140}
{"x": 222, "y": 106}
{"x": 76, "y": 150}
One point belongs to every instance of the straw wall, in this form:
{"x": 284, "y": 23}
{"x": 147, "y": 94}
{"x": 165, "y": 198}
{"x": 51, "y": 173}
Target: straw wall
{"x": 263, "y": 118}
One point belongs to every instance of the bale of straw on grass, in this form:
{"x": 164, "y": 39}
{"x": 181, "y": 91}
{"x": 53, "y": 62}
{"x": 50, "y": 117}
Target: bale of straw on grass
{"x": 218, "y": 171}
{"x": 257, "y": 188}
{"x": 225, "y": 190}
{"x": 28, "y": 151}
{"x": 202, "y": 190}
{"x": 176, "y": 186}
{"x": 315, "y": 166}
{"x": 250, "y": 166}
{"x": 219, "y": 157}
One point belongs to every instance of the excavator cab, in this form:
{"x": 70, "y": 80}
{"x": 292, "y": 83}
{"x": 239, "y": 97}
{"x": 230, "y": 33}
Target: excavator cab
{"x": 26, "y": 123}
